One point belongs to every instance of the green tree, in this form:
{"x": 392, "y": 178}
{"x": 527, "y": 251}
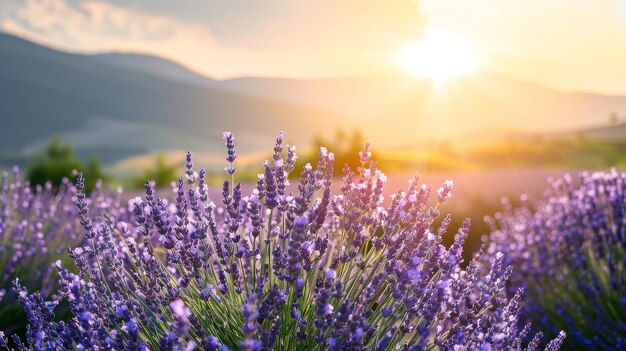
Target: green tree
{"x": 57, "y": 161}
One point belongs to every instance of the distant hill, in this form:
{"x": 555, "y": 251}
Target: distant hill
{"x": 615, "y": 131}
{"x": 154, "y": 66}
{"x": 124, "y": 105}
{"x": 402, "y": 109}
{"x": 120, "y": 112}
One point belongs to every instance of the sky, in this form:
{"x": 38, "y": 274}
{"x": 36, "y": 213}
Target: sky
{"x": 571, "y": 45}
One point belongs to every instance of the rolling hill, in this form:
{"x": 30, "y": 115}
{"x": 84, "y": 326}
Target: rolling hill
{"x": 405, "y": 109}
{"x": 122, "y": 105}
{"x": 120, "y": 112}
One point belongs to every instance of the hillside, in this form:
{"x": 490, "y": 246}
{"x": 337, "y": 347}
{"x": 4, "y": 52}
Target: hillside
{"x": 120, "y": 112}
{"x": 125, "y": 105}
{"x": 404, "y": 109}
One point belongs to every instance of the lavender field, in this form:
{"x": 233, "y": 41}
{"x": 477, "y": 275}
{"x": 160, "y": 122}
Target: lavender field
{"x": 309, "y": 264}
{"x": 272, "y": 264}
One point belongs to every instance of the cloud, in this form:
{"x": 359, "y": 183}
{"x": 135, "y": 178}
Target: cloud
{"x": 295, "y": 25}
{"x": 94, "y": 25}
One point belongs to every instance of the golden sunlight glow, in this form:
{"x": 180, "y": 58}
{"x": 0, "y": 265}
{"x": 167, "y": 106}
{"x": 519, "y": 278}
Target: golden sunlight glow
{"x": 440, "y": 55}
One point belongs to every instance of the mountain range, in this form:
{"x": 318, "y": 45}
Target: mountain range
{"x": 121, "y": 105}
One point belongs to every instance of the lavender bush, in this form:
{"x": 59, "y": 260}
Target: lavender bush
{"x": 568, "y": 252}
{"x": 282, "y": 268}
{"x": 37, "y": 224}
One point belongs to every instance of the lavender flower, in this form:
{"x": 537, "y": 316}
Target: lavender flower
{"x": 567, "y": 250}
{"x": 282, "y": 268}
{"x": 3, "y": 340}
{"x": 180, "y": 314}
{"x": 443, "y": 194}
{"x": 229, "y": 141}
{"x": 37, "y": 224}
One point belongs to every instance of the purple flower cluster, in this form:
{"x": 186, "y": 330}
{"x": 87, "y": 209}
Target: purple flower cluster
{"x": 37, "y": 224}
{"x": 567, "y": 252}
{"x": 281, "y": 268}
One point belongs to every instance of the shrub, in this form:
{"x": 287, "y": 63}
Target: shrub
{"x": 36, "y": 225}
{"x": 283, "y": 268}
{"x": 568, "y": 252}
{"x": 57, "y": 161}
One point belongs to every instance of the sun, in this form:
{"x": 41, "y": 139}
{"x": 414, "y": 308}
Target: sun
{"x": 440, "y": 55}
